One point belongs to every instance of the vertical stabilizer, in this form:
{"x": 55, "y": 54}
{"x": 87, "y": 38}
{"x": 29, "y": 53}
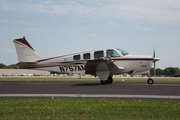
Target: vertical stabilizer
{"x": 24, "y": 50}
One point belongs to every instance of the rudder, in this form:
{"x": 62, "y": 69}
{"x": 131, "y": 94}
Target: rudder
{"x": 24, "y": 50}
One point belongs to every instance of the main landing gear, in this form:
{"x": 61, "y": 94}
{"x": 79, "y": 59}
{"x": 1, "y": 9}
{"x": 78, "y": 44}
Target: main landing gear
{"x": 108, "y": 81}
{"x": 150, "y": 81}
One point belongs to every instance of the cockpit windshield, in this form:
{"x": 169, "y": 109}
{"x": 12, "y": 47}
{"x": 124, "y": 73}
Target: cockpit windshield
{"x": 122, "y": 51}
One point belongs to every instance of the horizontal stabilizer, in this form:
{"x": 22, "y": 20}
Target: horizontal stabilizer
{"x": 26, "y": 64}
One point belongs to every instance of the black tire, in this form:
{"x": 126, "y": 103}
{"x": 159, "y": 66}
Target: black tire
{"x": 104, "y": 82}
{"x": 150, "y": 81}
{"x": 110, "y": 80}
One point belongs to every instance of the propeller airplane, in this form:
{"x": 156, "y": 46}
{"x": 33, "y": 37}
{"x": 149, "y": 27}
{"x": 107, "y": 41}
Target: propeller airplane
{"x": 102, "y": 63}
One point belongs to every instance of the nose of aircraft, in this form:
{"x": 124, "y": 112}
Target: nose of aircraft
{"x": 155, "y": 59}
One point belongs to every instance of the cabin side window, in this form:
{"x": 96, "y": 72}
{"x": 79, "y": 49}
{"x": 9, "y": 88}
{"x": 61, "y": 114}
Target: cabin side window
{"x": 76, "y": 57}
{"x": 112, "y": 53}
{"x": 98, "y": 54}
{"x": 86, "y": 56}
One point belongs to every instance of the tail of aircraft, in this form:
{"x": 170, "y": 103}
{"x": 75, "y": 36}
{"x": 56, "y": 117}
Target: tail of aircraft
{"x": 24, "y": 51}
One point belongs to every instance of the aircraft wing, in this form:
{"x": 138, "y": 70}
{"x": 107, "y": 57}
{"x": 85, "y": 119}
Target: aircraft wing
{"x": 92, "y": 66}
{"x": 103, "y": 64}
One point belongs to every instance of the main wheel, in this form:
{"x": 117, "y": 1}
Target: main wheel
{"x": 103, "y": 82}
{"x": 110, "y": 80}
{"x": 150, "y": 81}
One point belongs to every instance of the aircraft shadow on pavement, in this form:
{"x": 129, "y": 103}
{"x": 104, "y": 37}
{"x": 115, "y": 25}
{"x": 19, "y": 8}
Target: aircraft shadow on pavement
{"x": 87, "y": 84}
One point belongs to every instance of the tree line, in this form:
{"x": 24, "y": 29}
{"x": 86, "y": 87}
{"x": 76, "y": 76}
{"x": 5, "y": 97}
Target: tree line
{"x": 169, "y": 71}
{"x": 12, "y": 66}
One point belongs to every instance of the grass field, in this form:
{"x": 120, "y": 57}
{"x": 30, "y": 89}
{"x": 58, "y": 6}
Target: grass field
{"x": 88, "y": 79}
{"x": 88, "y": 109}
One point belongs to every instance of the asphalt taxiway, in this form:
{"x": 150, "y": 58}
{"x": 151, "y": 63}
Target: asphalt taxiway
{"x": 120, "y": 91}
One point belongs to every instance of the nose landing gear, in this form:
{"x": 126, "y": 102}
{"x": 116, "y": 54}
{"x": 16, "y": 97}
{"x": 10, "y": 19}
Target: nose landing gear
{"x": 150, "y": 81}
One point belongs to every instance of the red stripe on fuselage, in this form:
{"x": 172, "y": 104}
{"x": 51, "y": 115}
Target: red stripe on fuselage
{"x": 136, "y": 59}
{"x": 146, "y": 59}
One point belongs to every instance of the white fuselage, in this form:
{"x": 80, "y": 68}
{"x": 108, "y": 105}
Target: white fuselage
{"x": 71, "y": 64}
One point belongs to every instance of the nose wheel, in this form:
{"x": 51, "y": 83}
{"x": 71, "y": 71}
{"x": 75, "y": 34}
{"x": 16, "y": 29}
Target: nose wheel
{"x": 150, "y": 81}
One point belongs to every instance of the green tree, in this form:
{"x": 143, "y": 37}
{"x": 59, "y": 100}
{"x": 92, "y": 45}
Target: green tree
{"x": 159, "y": 72}
{"x": 177, "y": 70}
{"x": 170, "y": 71}
{"x": 14, "y": 66}
{"x": 8, "y": 67}
{"x": 2, "y": 65}
{"x": 166, "y": 72}
{"x": 152, "y": 72}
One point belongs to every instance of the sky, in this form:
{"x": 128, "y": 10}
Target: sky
{"x": 59, "y": 27}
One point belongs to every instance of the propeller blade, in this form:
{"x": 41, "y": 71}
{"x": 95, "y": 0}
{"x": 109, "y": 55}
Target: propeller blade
{"x": 154, "y": 61}
{"x": 154, "y": 69}
{"x": 154, "y": 53}
{"x": 154, "y": 57}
